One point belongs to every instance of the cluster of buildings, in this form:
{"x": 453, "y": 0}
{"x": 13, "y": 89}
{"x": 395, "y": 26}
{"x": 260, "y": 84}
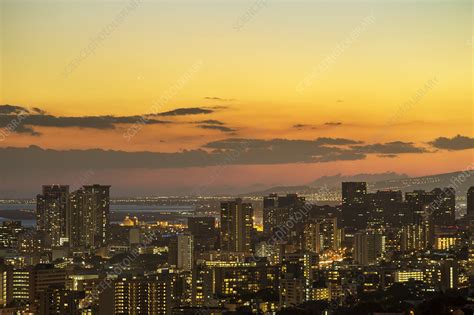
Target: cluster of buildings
{"x": 77, "y": 262}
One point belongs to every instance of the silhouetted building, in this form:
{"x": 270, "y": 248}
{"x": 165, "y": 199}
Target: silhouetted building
{"x": 277, "y": 210}
{"x": 204, "y": 231}
{"x": 369, "y": 246}
{"x": 470, "y": 201}
{"x": 354, "y": 210}
{"x": 236, "y": 226}
{"x": 297, "y": 277}
{"x": 386, "y": 207}
{"x": 56, "y": 300}
{"x": 439, "y": 204}
{"x": 53, "y": 214}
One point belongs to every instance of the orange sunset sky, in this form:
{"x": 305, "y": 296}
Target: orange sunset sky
{"x": 386, "y": 86}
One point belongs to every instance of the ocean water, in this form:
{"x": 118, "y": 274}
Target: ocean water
{"x": 126, "y": 209}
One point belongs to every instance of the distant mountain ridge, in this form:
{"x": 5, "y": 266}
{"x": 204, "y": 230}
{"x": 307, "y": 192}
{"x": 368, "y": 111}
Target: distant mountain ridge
{"x": 461, "y": 180}
{"x": 335, "y": 180}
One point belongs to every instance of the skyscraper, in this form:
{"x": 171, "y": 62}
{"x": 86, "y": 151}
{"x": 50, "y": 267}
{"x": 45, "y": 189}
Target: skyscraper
{"x": 297, "y": 277}
{"x": 386, "y": 207}
{"x": 416, "y": 237}
{"x": 143, "y": 295}
{"x": 89, "y": 218}
{"x": 354, "y": 213}
{"x": 470, "y": 201}
{"x": 53, "y": 214}
{"x": 369, "y": 245}
{"x": 278, "y": 209}
{"x": 438, "y": 205}
{"x": 80, "y": 218}
{"x": 236, "y": 226}
{"x": 320, "y": 235}
{"x": 100, "y": 205}
{"x": 185, "y": 252}
{"x": 204, "y": 231}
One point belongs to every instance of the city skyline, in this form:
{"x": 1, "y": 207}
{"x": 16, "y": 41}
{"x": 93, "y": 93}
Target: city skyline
{"x": 236, "y": 157}
{"x": 358, "y": 256}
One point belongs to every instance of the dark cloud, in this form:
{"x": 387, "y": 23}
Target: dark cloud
{"x": 186, "y": 111}
{"x": 387, "y": 155}
{"x": 12, "y": 109}
{"x": 16, "y": 124}
{"x": 39, "y": 111}
{"x": 36, "y": 117}
{"x": 24, "y": 120}
{"x": 218, "y": 107}
{"x": 396, "y": 147}
{"x": 231, "y": 151}
{"x": 322, "y": 126}
{"x": 336, "y": 141}
{"x": 236, "y": 152}
{"x": 216, "y": 127}
{"x": 210, "y": 122}
{"x": 343, "y": 155}
{"x": 255, "y": 151}
{"x": 214, "y": 98}
{"x": 333, "y": 123}
{"x": 453, "y": 144}
{"x": 300, "y": 126}
{"x": 94, "y": 122}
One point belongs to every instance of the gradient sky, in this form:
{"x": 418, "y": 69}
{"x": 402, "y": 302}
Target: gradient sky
{"x": 405, "y": 76}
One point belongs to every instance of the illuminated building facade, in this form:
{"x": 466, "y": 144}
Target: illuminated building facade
{"x": 143, "y": 295}
{"x": 236, "y": 226}
{"x": 369, "y": 246}
{"x": 53, "y": 214}
{"x": 89, "y": 226}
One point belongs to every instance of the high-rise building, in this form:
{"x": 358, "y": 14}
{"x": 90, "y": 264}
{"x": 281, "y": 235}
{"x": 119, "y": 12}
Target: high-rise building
{"x": 277, "y": 210}
{"x": 89, "y": 223}
{"x": 6, "y": 285}
{"x": 321, "y": 235}
{"x": 439, "y": 204}
{"x": 297, "y": 277}
{"x": 407, "y": 275}
{"x": 203, "y": 229}
{"x": 23, "y": 291}
{"x": 444, "y": 206}
{"x": 185, "y": 252}
{"x": 9, "y": 233}
{"x": 270, "y": 204}
{"x": 449, "y": 274}
{"x": 53, "y": 214}
{"x": 417, "y": 237}
{"x": 369, "y": 246}
{"x": 236, "y": 226}
{"x": 56, "y": 300}
{"x": 470, "y": 201}
{"x": 386, "y": 207}
{"x": 143, "y": 296}
{"x": 354, "y": 211}
{"x": 80, "y": 218}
